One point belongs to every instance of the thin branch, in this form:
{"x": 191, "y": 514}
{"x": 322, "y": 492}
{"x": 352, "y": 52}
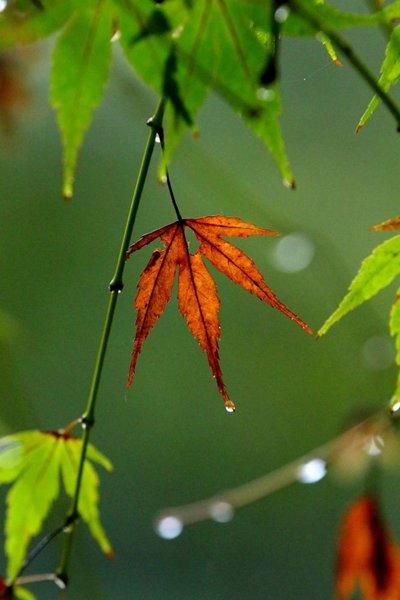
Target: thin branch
{"x": 27, "y": 579}
{"x": 344, "y": 47}
{"x": 115, "y": 287}
{"x": 220, "y": 507}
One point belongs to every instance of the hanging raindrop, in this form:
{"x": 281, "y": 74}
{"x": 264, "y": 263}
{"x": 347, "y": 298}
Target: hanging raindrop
{"x": 221, "y": 512}
{"x": 312, "y": 471}
{"x": 169, "y": 527}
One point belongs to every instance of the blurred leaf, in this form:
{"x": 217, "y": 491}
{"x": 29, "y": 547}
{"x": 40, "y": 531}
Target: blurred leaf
{"x": 80, "y": 69}
{"x": 390, "y": 73}
{"x": 34, "y": 460}
{"x": 394, "y": 326}
{"x": 389, "y": 225}
{"x": 197, "y": 293}
{"x": 89, "y": 496}
{"x": 22, "y": 23}
{"x": 376, "y": 272}
{"x": 183, "y": 50}
{"x": 333, "y": 18}
{"x": 22, "y": 593}
{"x": 367, "y": 557}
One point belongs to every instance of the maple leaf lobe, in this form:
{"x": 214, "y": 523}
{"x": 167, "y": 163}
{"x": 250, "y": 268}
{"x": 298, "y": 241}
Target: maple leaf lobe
{"x": 197, "y": 295}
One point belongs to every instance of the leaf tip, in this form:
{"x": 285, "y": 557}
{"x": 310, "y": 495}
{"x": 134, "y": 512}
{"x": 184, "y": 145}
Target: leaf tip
{"x": 67, "y": 192}
{"x": 359, "y": 127}
{"x": 110, "y": 554}
{"x": 337, "y": 62}
{"x": 290, "y": 184}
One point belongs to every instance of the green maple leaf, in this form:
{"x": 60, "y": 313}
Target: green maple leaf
{"x": 33, "y": 462}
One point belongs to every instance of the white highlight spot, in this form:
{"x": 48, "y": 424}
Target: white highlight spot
{"x": 222, "y": 512}
{"x": 374, "y": 445}
{"x": 293, "y": 253}
{"x": 265, "y": 94}
{"x": 395, "y": 408}
{"x": 169, "y": 527}
{"x": 3, "y": 5}
{"x": 378, "y": 352}
{"x": 281, "y": 14}
{"x": 312, "y": 471}
{"x": 116, "y": 36}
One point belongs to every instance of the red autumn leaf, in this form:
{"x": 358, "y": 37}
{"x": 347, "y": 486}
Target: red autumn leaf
{"x": 388, "y": 225}
{"x": 197, "y": 293}
{"x": 367, "y": 557}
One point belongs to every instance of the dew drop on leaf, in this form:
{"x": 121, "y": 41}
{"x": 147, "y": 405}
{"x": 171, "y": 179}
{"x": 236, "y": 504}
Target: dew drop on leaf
{"x": 169, "y": 527}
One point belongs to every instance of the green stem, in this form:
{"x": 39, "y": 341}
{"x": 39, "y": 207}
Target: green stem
{"x": 342, "y": 45}
{"x": 116, "y": 286}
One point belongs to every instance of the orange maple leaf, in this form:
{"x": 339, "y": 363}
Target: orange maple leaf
{"x": 197, "y": 294}
{"x": 367, "y": 557}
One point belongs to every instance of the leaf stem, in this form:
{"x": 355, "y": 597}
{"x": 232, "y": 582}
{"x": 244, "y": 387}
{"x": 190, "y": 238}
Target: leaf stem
{"x": 116, "y": 286}
{"x": 160, "y": 133}
{"x": 344, "y": 47}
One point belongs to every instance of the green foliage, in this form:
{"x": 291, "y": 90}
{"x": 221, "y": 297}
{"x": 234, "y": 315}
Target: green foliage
{"x": 390, "y": 73}
{"x": 23, "y": 23}
{"x": 394, "y": 326}
{"x": 81, "y": 63}
{"x": 376, "y": 272}
{"x": 22, "y": 593}
{"x": 181, "y": 49}
{"x": 33, "y": 461}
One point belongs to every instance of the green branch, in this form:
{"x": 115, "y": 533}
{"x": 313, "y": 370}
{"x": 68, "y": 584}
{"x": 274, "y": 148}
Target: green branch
{"x": 115, "y": 287}
{"x": 344, "y": 47}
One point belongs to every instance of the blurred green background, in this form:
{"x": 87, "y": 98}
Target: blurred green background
{"x": 169, "y": 438}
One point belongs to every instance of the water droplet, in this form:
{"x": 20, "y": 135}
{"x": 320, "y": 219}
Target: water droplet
{"x": 3, "y": 5}
{"x": 293, "y": 253}
{"x": 265, "y": 94}
{"x": 221, "y": 512}
{"x": 282, "y": 13}
{"x": 378, "y": 352}
{"x": 374, "y": 445}
{"x": 312, "y": 471}
{"x": 157, "y": 139}
{"x": 229, "y": 406}
{"x": 169, "y": 527}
